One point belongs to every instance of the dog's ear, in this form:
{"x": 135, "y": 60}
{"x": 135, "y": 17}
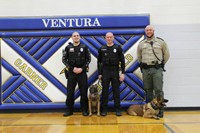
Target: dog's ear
{"x": 160, "y": 98}
{"x": 90, "y": 89}
{"x": 155, "y": 100}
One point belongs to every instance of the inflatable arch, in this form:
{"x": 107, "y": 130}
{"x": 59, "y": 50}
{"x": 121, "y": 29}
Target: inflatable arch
{"x": 31, "y": 58}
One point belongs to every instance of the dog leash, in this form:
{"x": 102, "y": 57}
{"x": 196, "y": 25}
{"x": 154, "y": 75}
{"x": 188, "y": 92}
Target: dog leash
{"x": 99, "y": 86}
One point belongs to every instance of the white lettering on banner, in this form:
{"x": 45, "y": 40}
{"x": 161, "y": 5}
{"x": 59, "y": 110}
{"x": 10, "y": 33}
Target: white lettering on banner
{"x": 71, "y": 22}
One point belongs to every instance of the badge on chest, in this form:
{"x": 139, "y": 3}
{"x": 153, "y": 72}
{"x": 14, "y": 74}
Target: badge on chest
{"x": 73, "y": 50}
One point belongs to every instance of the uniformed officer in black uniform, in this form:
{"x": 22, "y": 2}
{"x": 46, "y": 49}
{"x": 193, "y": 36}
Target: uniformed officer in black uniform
{"x": 77, "y": 58}
{"x": 110, "y": 58}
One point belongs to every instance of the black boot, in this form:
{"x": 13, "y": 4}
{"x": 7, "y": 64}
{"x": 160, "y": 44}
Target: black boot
{"x": 103, "y": 112}
{"x": 85, "y": 112}
{"x": 68, "y": 112}
{"x": 118, "y": 112}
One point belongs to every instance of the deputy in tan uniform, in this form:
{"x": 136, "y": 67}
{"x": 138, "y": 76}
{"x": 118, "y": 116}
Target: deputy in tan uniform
{"x": 152, "y": 53}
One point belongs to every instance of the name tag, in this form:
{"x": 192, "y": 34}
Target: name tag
{"x": 71, "y": 50}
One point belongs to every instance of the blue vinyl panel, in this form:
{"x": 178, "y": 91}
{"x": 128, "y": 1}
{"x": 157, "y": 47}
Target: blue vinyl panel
{"x": 16, "y": 99}
{"x": 23, "y": 96}
{"x": 31, "y": 43}
{"x": 35, "y": 48}
{"x": 13, "y": 87}
{"x": 30, "y": 94}
{"x": 23, "y": 41}
{"x": 38, "y": 93}
{"x": 52, "y": 50}
{"x": 45, "y": 48}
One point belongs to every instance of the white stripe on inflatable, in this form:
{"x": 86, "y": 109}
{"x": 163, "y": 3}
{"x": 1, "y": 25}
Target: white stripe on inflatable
{"x": 54, "y": 64}
{"x": 50, "y": 91}
{"x": 5, "y": 75}
{"x": 133, "y": 52}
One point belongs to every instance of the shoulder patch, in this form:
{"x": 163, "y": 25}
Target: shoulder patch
{"x": 69, "y": 45}
{"x": 142, "y": 40}
{"x": 116, "y": 46}
{"x": 83, "y": 45}
{"x": 104, "y": 46}
{"x": 160, "y": 38}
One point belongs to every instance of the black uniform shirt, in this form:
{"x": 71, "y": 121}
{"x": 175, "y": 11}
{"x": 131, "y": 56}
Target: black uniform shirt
{"x": 77, "y": 56}
{"x": 111, "y": 56}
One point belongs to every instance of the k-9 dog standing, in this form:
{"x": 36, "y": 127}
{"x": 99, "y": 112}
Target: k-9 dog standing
{"x": 153, "y": 54}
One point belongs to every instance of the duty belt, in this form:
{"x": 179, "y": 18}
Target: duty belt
{"x": 110, "y": 67}
{"x": 145, "y": 66}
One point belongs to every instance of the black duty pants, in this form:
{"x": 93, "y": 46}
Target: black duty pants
{"x": 110, "y": 75}
{"x": 82, "y": 81}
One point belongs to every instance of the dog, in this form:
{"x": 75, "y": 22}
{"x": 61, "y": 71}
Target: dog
{"x": 149, "y": 110}
{"x": 94, "y": 100}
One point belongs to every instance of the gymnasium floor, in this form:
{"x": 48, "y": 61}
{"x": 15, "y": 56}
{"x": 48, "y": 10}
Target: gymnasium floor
{"x": 54, "y": 122}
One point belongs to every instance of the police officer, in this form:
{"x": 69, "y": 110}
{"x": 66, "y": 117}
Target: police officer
{"x": 77, "y": 58}
{"x": 152, "y": 53}
{"x": 109, "y": 58}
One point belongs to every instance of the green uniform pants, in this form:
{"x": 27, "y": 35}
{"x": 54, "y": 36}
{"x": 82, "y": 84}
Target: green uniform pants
{"x": 153, "y": 83}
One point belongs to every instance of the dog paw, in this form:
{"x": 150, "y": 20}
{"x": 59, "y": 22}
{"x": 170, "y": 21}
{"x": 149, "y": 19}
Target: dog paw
{"x": 90, "y": 114}
{"x": 157, "y": 118}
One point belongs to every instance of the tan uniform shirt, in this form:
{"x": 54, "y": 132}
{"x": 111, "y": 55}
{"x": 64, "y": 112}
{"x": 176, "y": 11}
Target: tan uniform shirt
{"x": 145, "y": 52}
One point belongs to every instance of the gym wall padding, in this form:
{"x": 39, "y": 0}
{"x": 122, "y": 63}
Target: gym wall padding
{"x": 31, "y": 58}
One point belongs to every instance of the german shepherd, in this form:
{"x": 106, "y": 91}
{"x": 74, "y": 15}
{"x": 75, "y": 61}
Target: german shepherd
{"x": 149, "y": 110}
{"x": 94, "y": 100}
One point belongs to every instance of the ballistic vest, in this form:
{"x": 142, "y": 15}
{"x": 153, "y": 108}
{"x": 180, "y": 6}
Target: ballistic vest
{"x": 110, "y": 55}
{"x": 76, "y": 55}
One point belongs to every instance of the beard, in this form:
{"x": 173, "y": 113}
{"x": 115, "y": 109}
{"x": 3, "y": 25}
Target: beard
{"x": 150, "y": 36}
